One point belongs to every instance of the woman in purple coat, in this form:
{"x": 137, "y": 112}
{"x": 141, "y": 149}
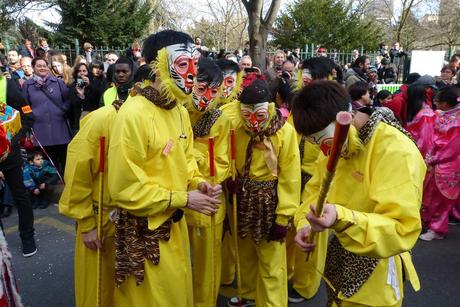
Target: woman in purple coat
{"x": 48, "y": 97}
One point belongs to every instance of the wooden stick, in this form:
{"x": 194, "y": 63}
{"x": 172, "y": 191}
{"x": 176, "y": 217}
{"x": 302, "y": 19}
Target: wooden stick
{"x": 99, "y": 219}
{"x": 343, "y": 121}
{"x": 235, "y": 217}
{"x": 212, "y": 174}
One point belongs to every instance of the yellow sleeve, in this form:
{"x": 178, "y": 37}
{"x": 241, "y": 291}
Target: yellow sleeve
{"x": 195, "y": 177}
{"x": 81, "y": 172}
{"x": 289, "y": 177}
{"x": 222, "y": 148}
{"x": 130, "y": 186}
{"x": 396, "y": 194}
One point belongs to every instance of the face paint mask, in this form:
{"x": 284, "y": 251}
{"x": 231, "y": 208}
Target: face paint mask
{"x": 203, "y": 95}
{"x": 323, "y": 138}
{"x": 182, "y": 63}
{"x": 256, "y": 117}
{"x": 229, "y": 84}
{"x": 306, "y": 76}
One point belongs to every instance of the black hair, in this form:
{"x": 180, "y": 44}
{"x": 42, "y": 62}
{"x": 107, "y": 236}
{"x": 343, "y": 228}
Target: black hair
{"x": 31, "y": 155}
{"x": 358, "y": 90}
{"x": 36, "y": 59}
{"x": 319, "y": 67}
{"x": 449, "y": 95}
{"x": 415, "y": 99}
{"x": 360, "y": 60}
{"x": 383, "y": 94}
{"x": 316, "y": 105}
{"x": 128, "y": 61}
{"x": 144, "y": 72}
{"x": 158, "y": 41}
{"x": 412, "y": 77}
{"x": 256, "y": 92}
{"x": 209, "y": 72}
{"x": 226, "y": 65}
{"x": 76, "y": 68}
{"x": 110, "y": 72}
{"x": 96, "y": 63}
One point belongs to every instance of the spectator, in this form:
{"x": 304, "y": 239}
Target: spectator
{"x": 317, "y": 68}
{"x": 386, "y": 72}
{"x": 447, "y": 77}
{"x": 358, "y": 71}
{"x": 383, "y": 51}
{"x": 278, "y": 59}
{"x": 134, "y": 52}
{"x": 88, "y": 52}
{"x": 26, "y": 66}
{"x": 26, "y": 49}
{"x": 383, "y": 97}
{"x": 123, "y": 79}
{"x": 321, "y": 52}
{"x": 84, "y": 94}
{"x": 246, "y": 49}
{"x": 79, "y": 59}
{"x": 359, "y": 93}
{"x": 97, "y": 69}
{"x": 398, "y": 103}
{"x": 42, "y": 48}
{"x": 14, "y": 64}
{"x": 48, "y": 97}
{"x": 238, "y": 53}
{"x": 245, "y": 62}
{"x": 372, "y": 81}
{"x": 397, "y": 56}
{"x": 111, "y": 58}
{"x": 294, "y": 57}
{"x": 455, "y": 62}
{"x": 39, "y": 178}
{"x": 60, "y": 70}
{"x": 354, "y": 55}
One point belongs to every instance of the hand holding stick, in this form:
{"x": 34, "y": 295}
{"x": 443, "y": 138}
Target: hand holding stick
{"x": 343, "y": 121}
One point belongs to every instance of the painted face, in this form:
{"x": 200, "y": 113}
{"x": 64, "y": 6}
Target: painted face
{"x": 255, "y": 116}
{"x": 182, "y": 62}
{"x": 229, "y": 83}
{"x": 323, "y": 138}
{"x": 306, "y": 76}
{"x": 203, "y": 94}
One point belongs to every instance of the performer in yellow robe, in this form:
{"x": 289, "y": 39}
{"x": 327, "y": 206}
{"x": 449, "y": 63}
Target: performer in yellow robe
{"x": 268, "y": 164}
{"x": 150, "y": 169}
{"x": 79, "y": 201}
{"x": 373, "y": 203}
{"x": 207, "y": 121}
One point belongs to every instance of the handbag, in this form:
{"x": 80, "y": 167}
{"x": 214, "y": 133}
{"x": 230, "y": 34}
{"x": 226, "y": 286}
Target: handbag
{"x": 56, "y": 103}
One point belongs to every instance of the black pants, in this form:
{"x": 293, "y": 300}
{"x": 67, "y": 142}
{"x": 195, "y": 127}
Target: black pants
{"x": 13, "y": 177}
{"x": 42, "y": 199}
{"x": 58, "y": 153}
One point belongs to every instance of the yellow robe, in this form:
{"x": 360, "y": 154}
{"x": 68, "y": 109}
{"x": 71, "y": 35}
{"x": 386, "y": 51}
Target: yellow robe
{"x": 263, "y": 266}
{"x": 199, "y": 225}
{"x": 151, "y": 167}
{"x": 377, "y": 190}
{"x": 81, "y": 192}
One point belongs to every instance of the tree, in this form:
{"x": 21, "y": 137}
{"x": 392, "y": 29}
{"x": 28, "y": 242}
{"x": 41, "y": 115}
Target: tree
{"x": 260, "y": 25}
{"x": 109, "y": 23}
{"x": 331, "y": 23}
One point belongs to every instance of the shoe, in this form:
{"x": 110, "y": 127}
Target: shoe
{"x": 6, "y": 212}
{"x": 43, "y": 206}
{"x": 430, "y": 235}
{"x": 295, "y": 297}
{"x": 28, "y": 247}
{"x": 234, "y": 302}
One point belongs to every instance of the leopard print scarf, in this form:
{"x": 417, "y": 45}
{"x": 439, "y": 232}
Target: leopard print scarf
{"x": 380, "y": 115}
{"x": 153, "y": 95}
{"x": 204, "y": 124}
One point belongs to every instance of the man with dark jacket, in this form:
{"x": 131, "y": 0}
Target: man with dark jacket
{"x": 358, "y": 71}
{"x": 11, "y": 166}
{"x": 386, "y": 72}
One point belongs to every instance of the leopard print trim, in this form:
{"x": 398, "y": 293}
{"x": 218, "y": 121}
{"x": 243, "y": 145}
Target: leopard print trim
{"x": 134, "y": 243}
{"x": 381, "y": 114}
{"x": 302, "y": 147}
{"x": 204, "y": 124}
{"x": 257, "y": 201}
{"x": 304, "y": 178}
{"x": 346, "y": 271}
{"x": 153, "y": 95}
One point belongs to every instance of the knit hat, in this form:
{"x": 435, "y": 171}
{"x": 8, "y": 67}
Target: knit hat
{"x": 256, "y": 92}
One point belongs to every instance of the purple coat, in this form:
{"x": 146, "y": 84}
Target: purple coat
{"x": 50, "y": 125}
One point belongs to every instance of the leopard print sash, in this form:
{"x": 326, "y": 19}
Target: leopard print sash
{"x": 304, "y": 176}
{"x": 134, "y": 243}
{"x": 153, "y": 96}
{"x": 257, "y": 201}
{"x": 346, "y": 271}
{"x": 204, "y": 124}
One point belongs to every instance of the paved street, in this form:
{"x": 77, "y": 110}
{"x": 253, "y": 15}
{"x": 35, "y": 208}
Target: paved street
{"x": 46, "y": 280}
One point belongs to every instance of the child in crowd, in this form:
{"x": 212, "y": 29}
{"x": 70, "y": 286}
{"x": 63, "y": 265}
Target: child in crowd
{"x": 383, "y": 97}
{"x": 360, "y": 96}
{"x": 442, "y": 183}
{"x": 39, "y": 178}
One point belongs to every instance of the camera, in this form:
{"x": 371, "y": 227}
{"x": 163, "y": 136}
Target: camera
{"x": 80, "y": 83}
{"x": 286, "y": 75}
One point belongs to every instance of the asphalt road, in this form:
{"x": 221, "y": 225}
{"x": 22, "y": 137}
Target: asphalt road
{"x": 46, "y": 279}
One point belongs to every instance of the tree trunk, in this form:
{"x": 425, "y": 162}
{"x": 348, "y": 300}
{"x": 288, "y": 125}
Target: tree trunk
{"x": 257, "y": 43}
